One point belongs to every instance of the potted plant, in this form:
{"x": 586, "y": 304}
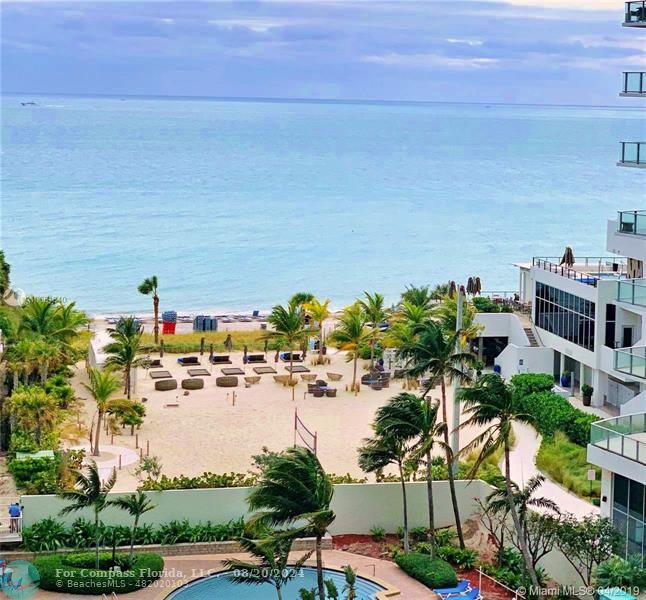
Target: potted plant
{"x": 587, "y": 391}
{"x": 565, "y": 379}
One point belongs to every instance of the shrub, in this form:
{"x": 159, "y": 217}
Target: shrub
{"x": 35, "y": 475}
{"x": 378, "y": 533}
{"x": 44, "y": 536}
{"x": 206, "y": 480}
{"x": 619, "y": 572}
{"x": 75, "y": 573}
{"x": 462, "y": 559}
{"x": 485, "y": 305}
{"x": 432, "y": 572}
{"x": 578, "y": 429}
{"x": 347, "y": 478}
{"x": 525, "y": 384}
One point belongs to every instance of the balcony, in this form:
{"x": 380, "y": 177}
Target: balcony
{"x": 634, "y": 84}
{"x": 633, "y": 154}
{"x": 632, "y": 291}
{"x": 635, "y": 14}
{"x": 632, "y": 221}
{"x": 587, "y": 269}
{"x": 631, "y": 361}
{"x": 624, "y": 436}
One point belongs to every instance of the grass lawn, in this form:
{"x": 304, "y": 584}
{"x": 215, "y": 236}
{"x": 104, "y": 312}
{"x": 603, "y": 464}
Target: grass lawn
{"x": 565, "y": 463}
{"x": 190, "y": 342}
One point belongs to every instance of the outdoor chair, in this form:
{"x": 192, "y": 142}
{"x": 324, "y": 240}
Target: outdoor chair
{"x": 186, "y": 361}
{"x": 318, "y": 393}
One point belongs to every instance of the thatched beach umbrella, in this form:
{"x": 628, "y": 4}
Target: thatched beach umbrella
{"x": 478, "y": 286}
{"x": 568, "y": 257}
{"x": 453, "y": 290}
{"x": 471, "y": 288}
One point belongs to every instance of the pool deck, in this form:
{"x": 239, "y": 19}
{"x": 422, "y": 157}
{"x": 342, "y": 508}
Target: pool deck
{"x": 182, "y": 569}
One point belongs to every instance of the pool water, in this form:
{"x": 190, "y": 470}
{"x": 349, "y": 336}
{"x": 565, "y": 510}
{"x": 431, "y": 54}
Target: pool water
{"x": 220, "y": 586}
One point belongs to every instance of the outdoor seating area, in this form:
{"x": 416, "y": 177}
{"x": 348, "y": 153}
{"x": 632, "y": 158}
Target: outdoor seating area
{"x": 462, "y": 591}
{"x": 291, "y": 357}
{"x": 320, "y": 388}
{"x": 377, "y": 380}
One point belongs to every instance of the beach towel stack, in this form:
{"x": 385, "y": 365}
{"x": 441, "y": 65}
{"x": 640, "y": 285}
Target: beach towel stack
{"x": 169, "y": 321}
{"x": 205, "y": 323}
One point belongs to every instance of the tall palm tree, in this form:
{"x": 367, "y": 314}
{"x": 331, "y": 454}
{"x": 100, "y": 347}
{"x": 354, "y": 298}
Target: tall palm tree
{"x": 319, "y": 311}
{"x": 124, "y": 349}
{"x": 289, "y": 330}
{"x": 432, "y": 353}
{"x": 294, "y": 488}
{"x": 418, "y": 296}
{"x": 149, "y": 287}
{"x": 490, "y": 403}
{"x": 102, "y": 385}
{"x": 51, "y": 319}
{"x": 46, "y": 354}
{"x": 135, "y": 505}
{"x": 376, "y": 454}
{"x": 89, "y": 492}
{"x": 299, "y": 299}
{"x": 350, "y": 334}
{"x": 414, "y": 419}
{"x": 273, "y": 565}
{"x": 373, "y": 306}
{"x": 5, "y": 270}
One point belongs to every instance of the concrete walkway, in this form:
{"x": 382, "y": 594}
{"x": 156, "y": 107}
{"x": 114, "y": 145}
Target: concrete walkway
{"x": 523, "y": 467}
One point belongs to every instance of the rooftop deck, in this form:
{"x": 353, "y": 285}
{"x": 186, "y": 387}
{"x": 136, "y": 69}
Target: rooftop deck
{"x": 588, "y": 270}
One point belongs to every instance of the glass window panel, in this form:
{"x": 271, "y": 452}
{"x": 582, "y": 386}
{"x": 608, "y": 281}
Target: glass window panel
{"x": 620, "y": 493}
{"x": 636, "y": 500}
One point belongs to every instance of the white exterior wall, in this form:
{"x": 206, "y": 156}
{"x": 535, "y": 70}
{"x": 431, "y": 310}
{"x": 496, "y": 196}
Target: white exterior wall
{"x": 525, "y": 359}
{"x": 625, "y": 244}
{"x": 502, "y": 325}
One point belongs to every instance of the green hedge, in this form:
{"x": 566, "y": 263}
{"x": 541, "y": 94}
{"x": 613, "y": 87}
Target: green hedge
{"x": 434, "y": 573}
{"x": 525, "y": 384}
{"x": 75, "y": 573}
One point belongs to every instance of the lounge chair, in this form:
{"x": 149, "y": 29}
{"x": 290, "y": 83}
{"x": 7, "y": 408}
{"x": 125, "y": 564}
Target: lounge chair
{"x": 192, "y": 384}
{"x": 463, "y": 586}
{"x": 335, "y": 376}
{"x": 164, "y": 385}
{"x": 188, "y": 361}
{"x": 198, "y": 373}
{"x": 232, "y": 371}
{"x": 471, "y": 594}
{"x": 264, "y": 370}
{"x": 220, "y": 360}
{"x": 256, "y": 358}
{"x": 156, "y": 363}
{"x": 160, "y": 375}
{"x": 226, "y": 381}
{"x": 297, "y": 369}
{"x": 291, "y": 357}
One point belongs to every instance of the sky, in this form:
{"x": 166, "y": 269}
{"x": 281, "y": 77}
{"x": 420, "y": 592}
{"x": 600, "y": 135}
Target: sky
{"x": 520, "y": 51}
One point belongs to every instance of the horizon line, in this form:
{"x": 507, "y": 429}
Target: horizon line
{"x": 279, "y": 99}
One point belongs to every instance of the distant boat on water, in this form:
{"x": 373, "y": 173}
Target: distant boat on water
{"x": 30, "y": 103}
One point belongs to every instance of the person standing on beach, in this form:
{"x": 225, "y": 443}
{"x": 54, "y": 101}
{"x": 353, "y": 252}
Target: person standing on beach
{"x": 228, "y": 343}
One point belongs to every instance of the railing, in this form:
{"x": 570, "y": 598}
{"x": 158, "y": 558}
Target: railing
{"x": 633, "y": 153}
{"x": 635, "y": 12}
{"x": 565, "y": 271}
{"x": 632, "y": 221}
{"x": 617, "y": 435}
{"x": 632, "y": 291}
{"x": 516, "y": 593}
{"x": 634, "y": 82}
{"x": 631, "y": 361}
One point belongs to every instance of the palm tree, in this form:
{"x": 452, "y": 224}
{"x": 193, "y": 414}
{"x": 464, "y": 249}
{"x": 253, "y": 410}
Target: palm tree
{"x": 46, "y": 353}
{"x": 5, "y": 270}
{"x": 375, "y": 312}
{"x": 490, "y": 403}
{"x": 273, "y": 566}
{"x": 319, "y": 312}
{"x": 294, "y": 488}
{"x": 135, "y": 505}
{"x": 432, "y": 353}
{"x": 33, "y": 410}
{"x": 376, "y": 454}
{"x": 124, "y": 349}
{"x": 51, "y": 319}
{"x": 299, "y": 299}
{"x": 418, "y": 296}
{"x": 414, "y": 419}
{"x": 147, "y": 287}
{"x": 89, "y": 492}
{"x": 102, "y": 385}
{"x": 288, "y": 330}
{"x": 350, "y": 334}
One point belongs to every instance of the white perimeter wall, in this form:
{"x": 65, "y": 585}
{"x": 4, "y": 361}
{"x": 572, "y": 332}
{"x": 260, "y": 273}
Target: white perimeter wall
{"x": 358, "y": 506}
{"x": 502, "y": 325}
{"x": 534, "y": 360}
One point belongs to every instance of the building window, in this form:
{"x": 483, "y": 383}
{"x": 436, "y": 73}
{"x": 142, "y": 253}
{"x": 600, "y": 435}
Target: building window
{"x": 629, "y": 514}
{"x": 565, "y": 315}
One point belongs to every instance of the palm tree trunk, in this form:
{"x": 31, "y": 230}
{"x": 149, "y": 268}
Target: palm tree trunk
{"x": 372, "y": 346}
{"x": 354, "y": 372}
{"x": 405, "y": 502}
{"x": 449, "y": 461}
{"x": 97, "y": 435}
{"x": 132, "y": 538}
{"x": 291, "y": 374}
{"x": 96, "y": 535}
{"x": 156, "y": 317}
{"x": 319, "y": 565}
{"x": 431, "y": 508}
{"x": 127, "y": 390}
{"x": 514, "y": 516}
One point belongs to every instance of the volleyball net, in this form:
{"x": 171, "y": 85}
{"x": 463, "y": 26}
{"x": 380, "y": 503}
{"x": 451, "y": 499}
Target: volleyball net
{"x": 303, "y": 436}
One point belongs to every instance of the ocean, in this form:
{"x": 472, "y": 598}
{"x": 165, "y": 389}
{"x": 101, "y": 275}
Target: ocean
{"x": 235, "y": 205}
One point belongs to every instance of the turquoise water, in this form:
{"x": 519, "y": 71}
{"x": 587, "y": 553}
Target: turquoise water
{"x": 235, "y": 205}
{"x": 220, "y": 586}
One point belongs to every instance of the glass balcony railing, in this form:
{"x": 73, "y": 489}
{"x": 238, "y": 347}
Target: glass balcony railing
{"x": 632, "y": 291}
{"x": 635, "y": 13}
{"x": 631, "y": 361}
{"x": 624, "y": 435}
{"x": 634, "y": 82}
{"x": 633, "y": 154}
{"x": 632, "y": 221}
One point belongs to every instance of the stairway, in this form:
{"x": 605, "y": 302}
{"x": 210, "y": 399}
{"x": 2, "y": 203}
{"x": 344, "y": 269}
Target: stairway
{"x": 529, "y": 332}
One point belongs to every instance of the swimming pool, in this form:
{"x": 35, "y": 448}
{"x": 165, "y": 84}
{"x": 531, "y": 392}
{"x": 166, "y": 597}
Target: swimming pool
{"x": 220, "y": 586}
